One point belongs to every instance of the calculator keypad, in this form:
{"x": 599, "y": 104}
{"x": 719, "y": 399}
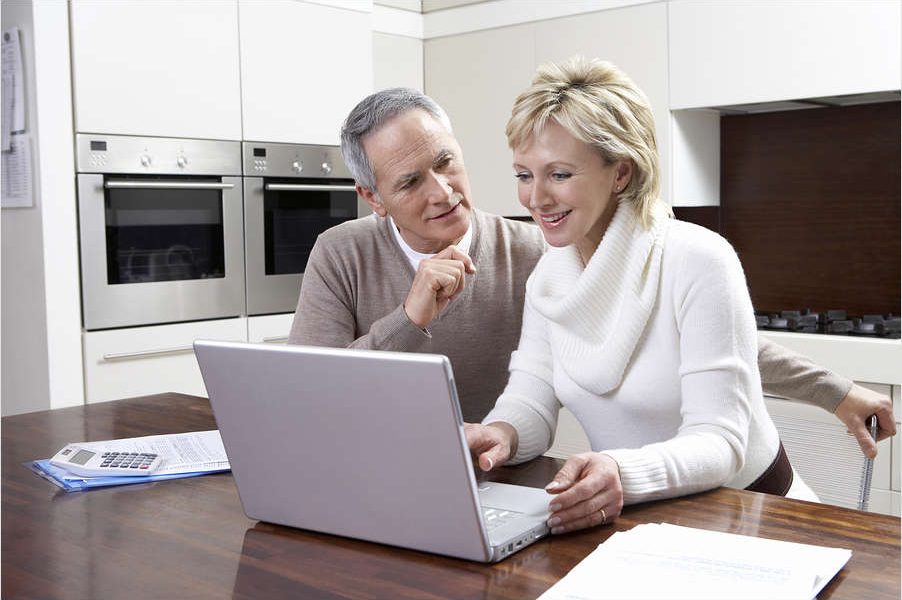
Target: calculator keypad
{"x": 127, "y": 460}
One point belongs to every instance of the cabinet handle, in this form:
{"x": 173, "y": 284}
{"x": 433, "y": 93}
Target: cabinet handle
{"x": 280, "y": 339}
{"x": 308, "y": 187}
{"x": 167, "y": 185}
{"x": 144, "y": 353}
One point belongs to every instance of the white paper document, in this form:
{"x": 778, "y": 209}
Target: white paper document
{"x": 659, "y": 560}
{"x": 16, "y": 176}
{"x": 13, "y": 86}
{"x": 181, "y": 452}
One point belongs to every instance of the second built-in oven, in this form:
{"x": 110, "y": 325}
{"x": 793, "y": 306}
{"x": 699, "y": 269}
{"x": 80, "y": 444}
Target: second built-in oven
{"x": 160, "y": 230}
{"x": 292, "y": 193}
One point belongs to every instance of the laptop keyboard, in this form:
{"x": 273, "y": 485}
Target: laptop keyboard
{"x": 495, "y": 517}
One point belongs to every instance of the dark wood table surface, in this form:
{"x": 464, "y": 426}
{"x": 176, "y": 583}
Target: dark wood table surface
{"x": 188, "y": 538}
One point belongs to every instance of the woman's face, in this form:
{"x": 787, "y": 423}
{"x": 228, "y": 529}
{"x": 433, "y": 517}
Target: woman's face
{"x": 567, "y": 187}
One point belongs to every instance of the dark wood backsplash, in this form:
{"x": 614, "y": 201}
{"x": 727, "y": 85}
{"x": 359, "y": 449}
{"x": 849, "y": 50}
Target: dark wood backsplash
{"x": 706, "y": 216}
{"x": 810, "y": 200}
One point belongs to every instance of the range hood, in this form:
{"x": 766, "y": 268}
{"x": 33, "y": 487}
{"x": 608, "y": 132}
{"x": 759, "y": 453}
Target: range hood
{"x": 780, "y": 105}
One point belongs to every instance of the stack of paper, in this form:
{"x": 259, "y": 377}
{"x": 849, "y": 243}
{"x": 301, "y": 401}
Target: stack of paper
{"x": 659, "y": 560}
{"x": 183, "y": 454}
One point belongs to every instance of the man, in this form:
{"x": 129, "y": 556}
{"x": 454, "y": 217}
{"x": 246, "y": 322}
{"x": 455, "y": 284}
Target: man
{"x": 430, "y": 273}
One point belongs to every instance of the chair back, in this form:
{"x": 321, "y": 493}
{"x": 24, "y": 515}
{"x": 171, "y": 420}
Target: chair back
{"x": 823, "y": 453}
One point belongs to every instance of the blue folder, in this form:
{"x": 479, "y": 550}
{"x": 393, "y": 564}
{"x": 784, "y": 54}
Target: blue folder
{"x": 75, "y": 483}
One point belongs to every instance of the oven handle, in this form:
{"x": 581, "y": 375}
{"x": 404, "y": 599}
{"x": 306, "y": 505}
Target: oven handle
{"x": 168, "y": 185}
{"x": 308, "y": 187}
{"x": 155, "y": 352}
{"x": 144, "y": 353}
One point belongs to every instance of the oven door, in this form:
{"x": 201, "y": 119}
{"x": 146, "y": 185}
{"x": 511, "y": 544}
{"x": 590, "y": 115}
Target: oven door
{"x": 282, "y": 219}
{"x": 159, "y": 249}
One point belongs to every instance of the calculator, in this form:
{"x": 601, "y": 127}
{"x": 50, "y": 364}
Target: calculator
{"x": 92, "y": 463}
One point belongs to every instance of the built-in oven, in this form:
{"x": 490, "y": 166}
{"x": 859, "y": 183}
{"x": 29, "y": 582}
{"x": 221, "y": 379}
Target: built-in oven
{"x": 292, "y": 193}
{"x": 160, "y": 230}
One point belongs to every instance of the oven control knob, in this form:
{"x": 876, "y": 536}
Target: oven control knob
{"x": 182, "y": 161}
{"x": 145, "y": 160}
{"x": 327, "y": 168}
{"x": 297, "y": 166}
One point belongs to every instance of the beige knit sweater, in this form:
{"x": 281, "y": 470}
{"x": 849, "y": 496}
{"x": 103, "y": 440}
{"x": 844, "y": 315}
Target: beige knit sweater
{"x": 357, "y": 279}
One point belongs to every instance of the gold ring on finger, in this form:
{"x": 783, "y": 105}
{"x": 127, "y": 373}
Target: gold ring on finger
{"x": 604, "y": 517}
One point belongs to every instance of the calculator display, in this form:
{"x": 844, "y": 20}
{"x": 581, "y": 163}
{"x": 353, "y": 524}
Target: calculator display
{"x": 81, "y": 457}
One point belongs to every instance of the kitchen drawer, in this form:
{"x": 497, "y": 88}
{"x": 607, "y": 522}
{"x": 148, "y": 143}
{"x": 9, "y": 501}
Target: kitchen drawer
{"x": 123, "y": 363}
{"x": 885, "y": 502}
{"x": 270, "y": 328}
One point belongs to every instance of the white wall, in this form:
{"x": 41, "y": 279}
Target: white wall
{"x": 24, "y": 328}
{"x": 397, "y": 61}
{"x": 40, "y": 291}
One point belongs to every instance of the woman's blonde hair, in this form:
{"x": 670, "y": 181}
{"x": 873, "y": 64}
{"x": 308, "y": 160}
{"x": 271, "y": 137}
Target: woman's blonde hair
{"x": 598, "y": 104}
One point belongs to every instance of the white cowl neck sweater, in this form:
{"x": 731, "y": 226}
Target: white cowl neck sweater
{"x": 653, "y": 348}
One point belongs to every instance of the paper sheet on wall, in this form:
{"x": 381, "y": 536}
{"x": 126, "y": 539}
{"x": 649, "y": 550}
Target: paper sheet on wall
{"x": 16, "y": 177}
{"x": 13, "y": 110}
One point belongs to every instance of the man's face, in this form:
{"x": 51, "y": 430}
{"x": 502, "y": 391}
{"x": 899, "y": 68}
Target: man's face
{"x": 420, "y": 180}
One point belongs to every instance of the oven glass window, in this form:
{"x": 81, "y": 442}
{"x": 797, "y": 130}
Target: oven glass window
{"x": 163, "y": 235}
{"x": 292, "y": 220}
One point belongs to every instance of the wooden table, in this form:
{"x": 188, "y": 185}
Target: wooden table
{"x": 188, "y": 538}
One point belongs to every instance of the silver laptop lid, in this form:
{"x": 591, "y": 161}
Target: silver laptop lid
{"x": 364, "y": 444}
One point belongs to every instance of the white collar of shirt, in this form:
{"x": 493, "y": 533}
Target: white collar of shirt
{"x": 415, "y": 257}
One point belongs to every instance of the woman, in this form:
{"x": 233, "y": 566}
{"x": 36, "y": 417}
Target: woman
{"x": 639, "y": 324}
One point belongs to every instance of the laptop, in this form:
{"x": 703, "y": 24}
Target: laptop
{"x": 363, "y": 444}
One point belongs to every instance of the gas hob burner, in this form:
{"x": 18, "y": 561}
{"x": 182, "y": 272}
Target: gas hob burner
{"x": 834, "y": 322}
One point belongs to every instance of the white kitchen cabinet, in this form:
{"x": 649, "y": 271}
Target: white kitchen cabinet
{"x": 122, "y": 363}
{"x": 897, "y": 402}
{"x": 747, "y": 51}
{"x": 304, "y": 66}
{"x": 153, "y": 68}
{"x": 270, "y": 329}
{"x": 896, "y": 459}
{"x": 884, "y": 502}
{"x": 896, "y": 483}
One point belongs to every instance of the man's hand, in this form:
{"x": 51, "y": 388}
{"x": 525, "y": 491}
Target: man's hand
{"x": 438, "y": 281}
{"x": 492, "y": 445}
{"x": 854, "y": 410}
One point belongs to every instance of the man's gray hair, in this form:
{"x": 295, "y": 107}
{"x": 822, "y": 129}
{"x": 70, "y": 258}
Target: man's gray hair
{"x": 369, "y": 115}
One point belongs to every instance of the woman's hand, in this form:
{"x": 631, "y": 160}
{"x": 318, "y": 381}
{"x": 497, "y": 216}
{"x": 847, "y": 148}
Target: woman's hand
{"x": 492, "y": 445}
{"x": 588, "y": 493}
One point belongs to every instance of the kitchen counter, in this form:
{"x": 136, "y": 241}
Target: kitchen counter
{"x": 871, "y": 360}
